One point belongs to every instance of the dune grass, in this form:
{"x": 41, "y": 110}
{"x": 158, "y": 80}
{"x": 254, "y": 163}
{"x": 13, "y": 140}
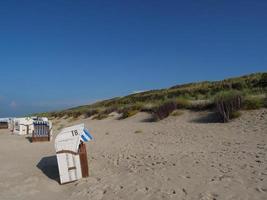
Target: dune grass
{"x": 161, "y": 103}
{"x": 254, "y": 102}
{"x": 228, "y": 103}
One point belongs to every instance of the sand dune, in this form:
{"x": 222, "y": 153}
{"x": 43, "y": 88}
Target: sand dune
{"x": 185, "y": 157}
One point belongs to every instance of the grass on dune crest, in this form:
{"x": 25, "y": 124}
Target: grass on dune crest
{"x": 193, "y": 96}
{"x": 228, "y": 103}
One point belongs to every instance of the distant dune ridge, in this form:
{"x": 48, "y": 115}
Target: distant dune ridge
{"x": 161, "y": 103}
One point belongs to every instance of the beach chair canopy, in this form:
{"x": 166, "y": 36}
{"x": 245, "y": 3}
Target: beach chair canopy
{"x": 4, "y": 119}
{"x": 70, "y": 138}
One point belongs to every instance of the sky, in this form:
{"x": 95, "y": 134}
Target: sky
{"x": 56, "y": 54}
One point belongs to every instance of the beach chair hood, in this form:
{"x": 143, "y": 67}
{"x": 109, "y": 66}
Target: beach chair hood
{"x": 70, "y": 138}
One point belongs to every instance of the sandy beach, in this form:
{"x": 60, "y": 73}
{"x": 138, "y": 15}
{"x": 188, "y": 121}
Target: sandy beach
{"x": 184, "y": 157}
{"x": 145, "y": 100}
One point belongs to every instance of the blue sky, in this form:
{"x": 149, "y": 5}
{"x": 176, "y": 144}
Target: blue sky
{"x": 57, "y": 54}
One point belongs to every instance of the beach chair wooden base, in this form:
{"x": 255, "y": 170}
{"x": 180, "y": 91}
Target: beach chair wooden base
{"x": 40, "y": 139}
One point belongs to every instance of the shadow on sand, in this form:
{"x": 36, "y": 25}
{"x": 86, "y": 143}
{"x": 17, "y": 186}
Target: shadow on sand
{"x": 148, "y": 119}
{"x": 212, "y": 117}
{"x": 29, "y": 139}
{"x": 48, "y": 165}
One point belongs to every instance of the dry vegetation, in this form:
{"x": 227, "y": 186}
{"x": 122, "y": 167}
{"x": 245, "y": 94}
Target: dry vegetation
{"x": 251, "y": 91}
{"x": 228, "y": 103}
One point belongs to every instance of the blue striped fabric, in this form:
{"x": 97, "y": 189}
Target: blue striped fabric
{"x": 86, "y": 136}
{"x": 84, "y": 139}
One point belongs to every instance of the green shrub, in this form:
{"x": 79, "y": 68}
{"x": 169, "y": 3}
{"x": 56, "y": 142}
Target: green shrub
{"x": 251, "y": 103}
{"x": 228, "y": 102}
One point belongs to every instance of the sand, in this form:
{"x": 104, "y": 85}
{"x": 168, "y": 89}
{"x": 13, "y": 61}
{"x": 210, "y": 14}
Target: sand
{"x": 183, "y": 157}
